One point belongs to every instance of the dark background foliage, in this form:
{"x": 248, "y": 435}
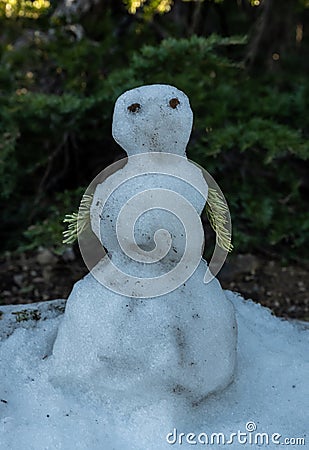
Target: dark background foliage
{"x": 242, "y": 63}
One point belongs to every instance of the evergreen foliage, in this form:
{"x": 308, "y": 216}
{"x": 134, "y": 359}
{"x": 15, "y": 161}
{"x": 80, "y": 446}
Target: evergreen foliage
{"x": 57, "y": 90}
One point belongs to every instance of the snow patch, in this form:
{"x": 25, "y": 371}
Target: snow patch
{"x": 270, "y": 388}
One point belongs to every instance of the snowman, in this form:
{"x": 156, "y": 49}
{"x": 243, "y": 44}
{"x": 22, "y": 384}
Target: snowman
{"x": 143, "y": 319}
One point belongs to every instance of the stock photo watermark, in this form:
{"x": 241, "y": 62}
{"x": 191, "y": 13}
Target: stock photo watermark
{"x": 164, "y": 194}
{"x": 249, "y": 437}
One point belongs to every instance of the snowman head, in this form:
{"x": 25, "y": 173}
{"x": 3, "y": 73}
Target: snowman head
{"x": 155, "y": 118}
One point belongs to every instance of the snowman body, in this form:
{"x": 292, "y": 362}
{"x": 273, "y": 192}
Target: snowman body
{"x": 182, "y": 341}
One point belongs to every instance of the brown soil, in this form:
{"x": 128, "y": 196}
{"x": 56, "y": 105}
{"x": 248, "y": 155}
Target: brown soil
{"x": 41, "y": 275}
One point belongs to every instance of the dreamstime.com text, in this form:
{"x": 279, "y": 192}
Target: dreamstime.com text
{"x": 248, "y": 437}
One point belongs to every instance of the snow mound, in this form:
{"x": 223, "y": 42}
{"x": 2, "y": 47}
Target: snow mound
{"x": 182, "y": 342}
{"x": 268, "y": 395}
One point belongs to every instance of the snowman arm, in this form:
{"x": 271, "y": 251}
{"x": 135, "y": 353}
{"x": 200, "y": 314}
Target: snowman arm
{"x": 78, "y": 221}
{"x": 217, "y": 213}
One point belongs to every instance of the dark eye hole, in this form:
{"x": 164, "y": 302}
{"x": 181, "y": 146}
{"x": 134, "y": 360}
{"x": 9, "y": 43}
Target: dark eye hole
{"x": 135, "y": 107}
{"x": 174, "y": 102}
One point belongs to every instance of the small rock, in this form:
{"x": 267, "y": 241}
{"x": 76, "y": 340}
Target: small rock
{"x": 18, "y": 279}
{"x": 6, "y": 293}
{"x": 38, "y": 280}
{"x": 45, "y": 257}
{"x": 301, "y": 286}
{"x": 47, "y": 273}
{"x": 255, "y": 288}
{"x": 68, "y": 254}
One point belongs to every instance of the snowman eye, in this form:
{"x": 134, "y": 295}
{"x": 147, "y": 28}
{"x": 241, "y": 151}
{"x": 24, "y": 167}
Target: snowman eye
{"x": 135, "y": 107}
{"x": 174, "y": 102}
